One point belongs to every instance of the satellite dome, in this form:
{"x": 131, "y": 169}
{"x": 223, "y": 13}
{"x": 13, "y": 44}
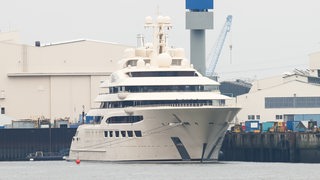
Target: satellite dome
{"x": 164, "y": 60}
{"x": 148, "y": 20}
{"x": 140, "y": 63}
{"x": 185, "y": 62}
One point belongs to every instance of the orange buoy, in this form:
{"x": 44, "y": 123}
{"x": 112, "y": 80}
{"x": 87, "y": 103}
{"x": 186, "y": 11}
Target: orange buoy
{"x": 78, "y": 161}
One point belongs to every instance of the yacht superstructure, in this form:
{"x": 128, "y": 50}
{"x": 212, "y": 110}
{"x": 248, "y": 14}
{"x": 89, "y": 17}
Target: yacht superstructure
{"x": 156, "y": 108}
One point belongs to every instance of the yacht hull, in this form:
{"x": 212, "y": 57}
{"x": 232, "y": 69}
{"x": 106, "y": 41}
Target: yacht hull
{"x": 168, "y": 134}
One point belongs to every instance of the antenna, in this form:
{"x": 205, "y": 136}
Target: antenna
{"x": 158, "y": 10}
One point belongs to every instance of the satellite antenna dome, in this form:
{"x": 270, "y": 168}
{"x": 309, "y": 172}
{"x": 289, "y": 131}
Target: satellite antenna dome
{"x": 185, "y": 62}
{"x": 164, "y": 60}
{"x": 140, "y": 63}
{"x": 167, "y": 19}
{"x": 148, "y": 20}
{"x": 161, "y": 19}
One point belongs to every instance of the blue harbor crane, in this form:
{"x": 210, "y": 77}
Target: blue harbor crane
{"x": 215, "y": 52}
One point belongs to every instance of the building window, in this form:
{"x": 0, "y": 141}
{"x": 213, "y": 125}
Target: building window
{"x": 111, "y": 133}
{"x": 292, "y": 102}
{"x": 315, "y": 80}
{"x": 250, "y": 116}
{"x": 278, "y": 116}
{"x": 106, "y": 134}
{"x": 3, "y": 110}
{"x": 117, "y": 133}
{"x": 258, "y": 116}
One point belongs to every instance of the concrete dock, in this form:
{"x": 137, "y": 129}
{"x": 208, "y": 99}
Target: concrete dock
{"x": 272, "y": 147}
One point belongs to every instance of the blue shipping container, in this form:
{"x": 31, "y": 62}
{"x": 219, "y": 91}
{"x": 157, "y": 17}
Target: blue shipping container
{"x": 289, "y": 125}
{"x": 252, "y": 125}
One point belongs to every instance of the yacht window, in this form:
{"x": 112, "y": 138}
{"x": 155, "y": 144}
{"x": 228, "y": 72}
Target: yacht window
{"x": 123, "y": 133}
{"x": 117, "y": 133}
{"x": 182, "y": 88}
{"x": 163, "y": 73}
{"x": 147, "y": 61}
{"x": 133, "y": 119}
{"x": 176, "y": 62}
{"x": 211, "y": 88}
{"x": 106, "y": 134}
{"x": 138, "y": 133}
{"x": 113, "y": 90}
{"x": 111, "y": 133}
{"x": 130, "y": 134}
{"x": 222, "y": 102}
{"x": 132, "y": 62}
{"x": 215, "y": 102}
{"x": 97, "y": 119}
{"x": 124, "y": 119}
{"x": 102, "y": 105}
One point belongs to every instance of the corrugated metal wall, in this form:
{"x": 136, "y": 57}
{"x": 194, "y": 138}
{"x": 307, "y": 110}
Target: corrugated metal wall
{"x": 16, "y": 144}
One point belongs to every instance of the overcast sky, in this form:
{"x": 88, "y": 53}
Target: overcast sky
{"x": 269, "y": 37}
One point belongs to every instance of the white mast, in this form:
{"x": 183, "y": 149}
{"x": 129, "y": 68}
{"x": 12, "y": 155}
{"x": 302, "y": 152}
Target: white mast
{"x": 159, "y": 37}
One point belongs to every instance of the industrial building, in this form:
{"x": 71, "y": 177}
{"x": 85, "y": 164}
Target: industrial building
{"x": 293, "y": 96}
{"x": 52, "y": 81}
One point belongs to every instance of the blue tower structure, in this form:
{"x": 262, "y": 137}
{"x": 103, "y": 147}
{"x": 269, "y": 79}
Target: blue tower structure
{"x": 199, "y": 17}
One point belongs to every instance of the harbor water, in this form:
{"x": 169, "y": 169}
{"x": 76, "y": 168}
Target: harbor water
{"x": 33, "y": 170}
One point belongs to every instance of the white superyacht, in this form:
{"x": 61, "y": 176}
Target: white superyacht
{"x": 156, "y": 108}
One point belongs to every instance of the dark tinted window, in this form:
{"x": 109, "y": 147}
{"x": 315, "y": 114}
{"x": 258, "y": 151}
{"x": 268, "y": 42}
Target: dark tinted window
{"x": 124, "y": 119}
{"x": 97, "y": 119}
{"x": 123, "y": 133}
{"x": 130, "y": 134}
{"x": 117, "y": 133}
{"x": 292, "y": 102}
{"x": 138, "y": 133}
{"x": 162, "y": 73}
